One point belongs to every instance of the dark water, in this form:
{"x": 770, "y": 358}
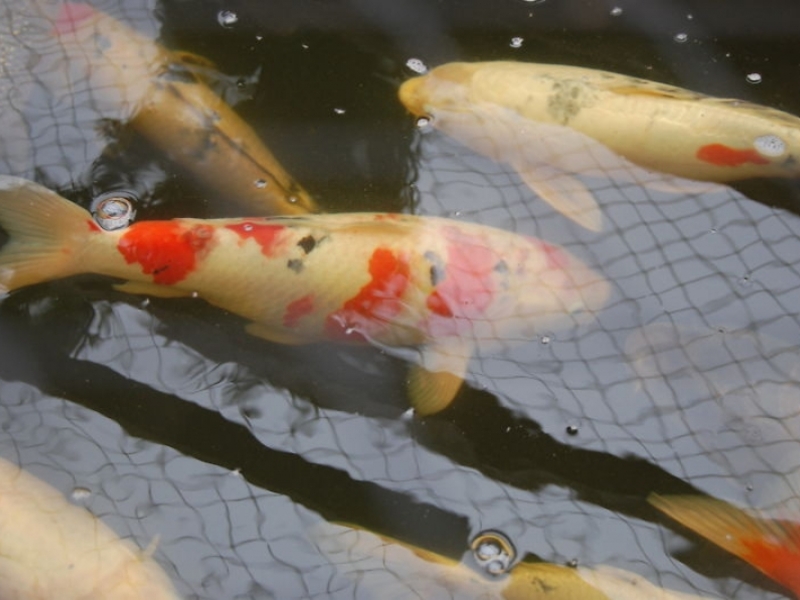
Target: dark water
{"x": 236, "y": 451}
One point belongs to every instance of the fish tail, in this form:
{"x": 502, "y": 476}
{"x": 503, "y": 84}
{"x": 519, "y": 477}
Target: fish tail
{"x": 771, "y": 545}
{"x": 40, "y": 234}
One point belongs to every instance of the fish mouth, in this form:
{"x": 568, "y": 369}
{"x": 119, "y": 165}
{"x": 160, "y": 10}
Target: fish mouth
{"x": 412, "y": 95}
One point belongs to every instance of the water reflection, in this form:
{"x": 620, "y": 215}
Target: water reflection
{"x": 233, "y": 448}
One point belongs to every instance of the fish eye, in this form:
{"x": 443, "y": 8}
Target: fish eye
{"x": 769, "y": 145}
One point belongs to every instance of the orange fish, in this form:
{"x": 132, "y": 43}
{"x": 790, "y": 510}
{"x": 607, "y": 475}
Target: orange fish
{"x": 438, "y": 287}
{"x": 552, "y": 122}
{"x": 53, "y": 550}
{"x": 167, "y": 102}
{"x": 771, "y": 545}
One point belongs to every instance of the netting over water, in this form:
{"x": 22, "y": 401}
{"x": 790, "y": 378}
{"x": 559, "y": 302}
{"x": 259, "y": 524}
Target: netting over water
{"x": 165, "y": 420}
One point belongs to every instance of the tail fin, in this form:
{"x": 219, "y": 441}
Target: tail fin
{"x": 770, "y": 545}
{"x": 44, "y": 231}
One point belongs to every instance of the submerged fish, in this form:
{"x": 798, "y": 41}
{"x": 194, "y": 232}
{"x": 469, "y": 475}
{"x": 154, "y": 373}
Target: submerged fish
{"x": 396, "y": 281}
{"x": 168, "y": 103}
{"x": 551, "y": 122}
{"x": 400, "y": 570}
{"x": 53, "y": 550}
{"x": 771, "y": 545}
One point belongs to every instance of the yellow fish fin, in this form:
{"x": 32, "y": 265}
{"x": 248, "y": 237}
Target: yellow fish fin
{"x": 564, "y": 193}
{"x": 190, "y": 59}
{"x": 274, "y": 335}
{"x": 151, "y": 289}
{"x": 433, "y": 384}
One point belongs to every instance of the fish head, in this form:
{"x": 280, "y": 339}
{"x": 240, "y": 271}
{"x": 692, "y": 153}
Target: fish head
{"x": 558, "y": 284}
{"x": 444, "y": 88}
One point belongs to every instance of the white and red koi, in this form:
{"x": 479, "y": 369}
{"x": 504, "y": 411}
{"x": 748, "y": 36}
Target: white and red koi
{"x": 53, "y": 550}
{"x": 393, "y": 280}
{"x": 771, "y": 545}
{"x": 551, "y": 122}
{"x": 168, "y": 103}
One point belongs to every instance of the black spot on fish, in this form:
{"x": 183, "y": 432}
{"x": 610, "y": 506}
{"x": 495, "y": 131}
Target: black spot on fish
{"x": 501, "y": 266}
{"x": 160, "y": 269}
{"x": 295, "y": 264}
{"x": 437, "y": 273}
{"x": 790, "y": 162}
{"x": 308, "y": 243}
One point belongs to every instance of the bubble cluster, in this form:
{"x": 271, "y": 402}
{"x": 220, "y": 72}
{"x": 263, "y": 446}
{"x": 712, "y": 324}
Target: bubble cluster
{"x": 493, "y": 552}
{"x": 227, "y": 18}
{"x": 416, "y": 65}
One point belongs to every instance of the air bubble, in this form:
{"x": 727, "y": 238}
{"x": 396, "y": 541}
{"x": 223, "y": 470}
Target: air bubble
{"x": 753, "y": 78}
{"x": 339, "y": 111}
{"x": 770, "y": 145}
{"x": 516, "y": 42}
{"x": 681, "y": 37}
{"x": 546, "y": 339}
{"x": 423, "y": 122}
{"x": 416, "y": 65}
{"x": 572, "y": 430}
{"x": 227, "y": 18}
{"x": 616, "y": 11}
{"x": 114, "y": 212}
{"x": 292, "y": 199}
{"x": 247, "y": 227}
{"x": 573, "y": 563}
{"x": 493, "y": 552}
{"x": 261, "y": 183}
{"x": 79, "y": 494}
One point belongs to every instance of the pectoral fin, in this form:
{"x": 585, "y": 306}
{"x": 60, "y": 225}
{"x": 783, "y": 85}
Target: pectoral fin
{"x": 434, "y": 383}
{"x": 274, "y": 335}
{"x": 151, "y": 289}
{"x": 564, "y": 193}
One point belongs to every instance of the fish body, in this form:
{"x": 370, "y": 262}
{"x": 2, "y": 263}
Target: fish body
{"x": 401, "y": 570}
{"x": 396, "y": 281}
{"x": 553, "y": 121}
{"x": 771, "y": 545}
{"x": 53, "y": 550}
{"x": 166, "y": 100}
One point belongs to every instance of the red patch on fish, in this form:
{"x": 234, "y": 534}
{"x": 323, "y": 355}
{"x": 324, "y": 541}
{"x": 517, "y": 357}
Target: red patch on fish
{"x": 264, "y": 234}
{"x": 71, "y": 16}
{"x": 725, "y": 156}
{"x": 372, "y": 309}
{"x": 779, "y": 558}
{"x": 93, "y": 227}
{"x": 468, "y": 285}
{"x": 167, "y": 250}
{"x": 555, "y": 257}
{"x": 297, "y": 309}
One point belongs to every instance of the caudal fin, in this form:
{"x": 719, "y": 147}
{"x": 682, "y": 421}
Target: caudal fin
{"x": 770, "y": 545}
{"x": 44, "y": 232}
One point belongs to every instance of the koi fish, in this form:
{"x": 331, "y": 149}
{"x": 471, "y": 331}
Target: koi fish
{"x": 396, "y": 281}
{"x": 51, "y": 549}
{"x": 771, "y": 545}
{"x": 169, "y": 104}
{"x": 551, "y": 122}
{"x": 401, "y": 570}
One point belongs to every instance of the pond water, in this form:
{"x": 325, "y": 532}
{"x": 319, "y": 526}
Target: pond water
{"x": 165, "y": 419}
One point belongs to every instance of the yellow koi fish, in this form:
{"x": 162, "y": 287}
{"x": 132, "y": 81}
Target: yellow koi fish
{"x": 53, "y": 550}
{"x": 171, "y": 106}
{"x": 400, "y": 570}
{"x": 771, "y": 545}
{"x": 551, "y": 122}
{"x": 396, "y": 281}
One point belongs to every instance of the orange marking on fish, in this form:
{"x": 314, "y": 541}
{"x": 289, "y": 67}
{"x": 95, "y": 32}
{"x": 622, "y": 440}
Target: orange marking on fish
{"x": 264, "y": 234}
{"x": 70, "y": 17}
{"x": 468, "y": 286}
{"x": 777, "y": 558}
{"x": 371, "y": 310}
{"x": 725, "y": 156}
{"x": 93, "y": 227}
{"x": 167, "y": 250}
{"x": 297, "y": 309}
